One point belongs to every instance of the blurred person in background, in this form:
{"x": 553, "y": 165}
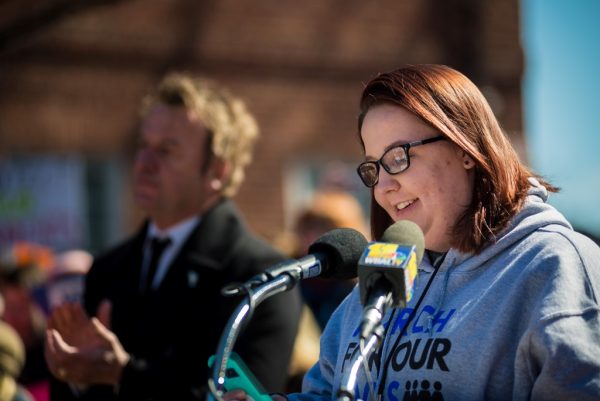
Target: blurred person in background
{"x": 24, "y": 268}
{"x": 505, "y": 304}
{"x": 327, "y": 209}
{"x": 155, "y": 320}
{"x": 12, "y": 359}
{"x": 306, "y": 350}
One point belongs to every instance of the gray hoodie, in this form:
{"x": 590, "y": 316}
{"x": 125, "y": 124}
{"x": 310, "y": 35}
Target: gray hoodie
{"x": 519, "y": 321}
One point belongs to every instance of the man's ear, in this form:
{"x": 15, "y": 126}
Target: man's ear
{"x": 218, "y": 173}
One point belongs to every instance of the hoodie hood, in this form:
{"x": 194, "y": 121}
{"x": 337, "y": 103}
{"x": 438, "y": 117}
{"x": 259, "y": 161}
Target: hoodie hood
{"x": 534, "y": 214}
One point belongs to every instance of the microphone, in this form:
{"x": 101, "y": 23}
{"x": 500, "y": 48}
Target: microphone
{"x": 386, "y": 272}
{"x": 335, "y": 255}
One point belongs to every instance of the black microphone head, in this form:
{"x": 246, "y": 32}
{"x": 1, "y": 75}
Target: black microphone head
{"x": 405, "y": 232}
{"x": 343, "y": 248}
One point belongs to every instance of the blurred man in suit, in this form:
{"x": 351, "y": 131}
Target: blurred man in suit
{"x": 158, "y": 319}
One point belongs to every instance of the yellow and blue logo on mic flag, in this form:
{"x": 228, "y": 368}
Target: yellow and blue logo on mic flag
{"x": 383, "y": 254}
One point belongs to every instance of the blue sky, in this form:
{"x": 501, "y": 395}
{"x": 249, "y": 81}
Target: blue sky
{"x": 561, "y": 90}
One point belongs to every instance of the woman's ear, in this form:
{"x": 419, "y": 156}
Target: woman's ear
{"x": 468, "y": 161}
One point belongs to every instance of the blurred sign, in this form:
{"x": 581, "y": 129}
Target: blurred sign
{"x": 42, "y": 200}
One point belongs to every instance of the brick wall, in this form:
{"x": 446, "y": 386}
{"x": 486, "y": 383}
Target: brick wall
{"x": 71, "y": 75}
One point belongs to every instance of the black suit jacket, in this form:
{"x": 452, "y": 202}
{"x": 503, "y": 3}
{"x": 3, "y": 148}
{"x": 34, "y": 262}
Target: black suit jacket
{"x": 171, "y": 331}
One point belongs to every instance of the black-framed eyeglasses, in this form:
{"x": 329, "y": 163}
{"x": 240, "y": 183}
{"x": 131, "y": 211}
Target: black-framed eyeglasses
{"x": 395, "y": 160}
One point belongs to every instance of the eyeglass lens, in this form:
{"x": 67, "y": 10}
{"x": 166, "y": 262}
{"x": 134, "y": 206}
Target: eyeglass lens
{"x": 393, "y": 161}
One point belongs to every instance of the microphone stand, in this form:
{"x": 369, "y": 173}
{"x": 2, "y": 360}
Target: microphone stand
{"x": 348, "y": 382}
{"x": 237, "y": 320}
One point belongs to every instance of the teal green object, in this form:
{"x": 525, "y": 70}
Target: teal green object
{"x": 239, "y": 376}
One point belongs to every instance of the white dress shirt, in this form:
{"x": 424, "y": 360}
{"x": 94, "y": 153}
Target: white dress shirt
{"x": 178, "y": 234}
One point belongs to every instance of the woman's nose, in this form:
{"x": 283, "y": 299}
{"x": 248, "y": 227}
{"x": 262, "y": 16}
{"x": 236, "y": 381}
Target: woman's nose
{"x": 387, "y": 182}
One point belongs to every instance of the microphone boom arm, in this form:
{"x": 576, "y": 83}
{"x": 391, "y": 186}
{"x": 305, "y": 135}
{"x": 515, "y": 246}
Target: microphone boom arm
{"x": 236, "y": 322}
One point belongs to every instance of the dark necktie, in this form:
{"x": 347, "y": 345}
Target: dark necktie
{"x": 157, "y": 247}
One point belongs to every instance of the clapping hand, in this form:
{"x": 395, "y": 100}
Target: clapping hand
{"x": 83, "y": 350}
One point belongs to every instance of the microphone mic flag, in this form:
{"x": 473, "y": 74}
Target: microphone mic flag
{"x": 387, "y": 271}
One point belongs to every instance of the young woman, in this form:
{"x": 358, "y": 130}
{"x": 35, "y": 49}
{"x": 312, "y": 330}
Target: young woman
{"x": 505, "y": 305}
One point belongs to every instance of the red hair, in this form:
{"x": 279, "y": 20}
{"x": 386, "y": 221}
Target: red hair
{"x": 449, "y": 102}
